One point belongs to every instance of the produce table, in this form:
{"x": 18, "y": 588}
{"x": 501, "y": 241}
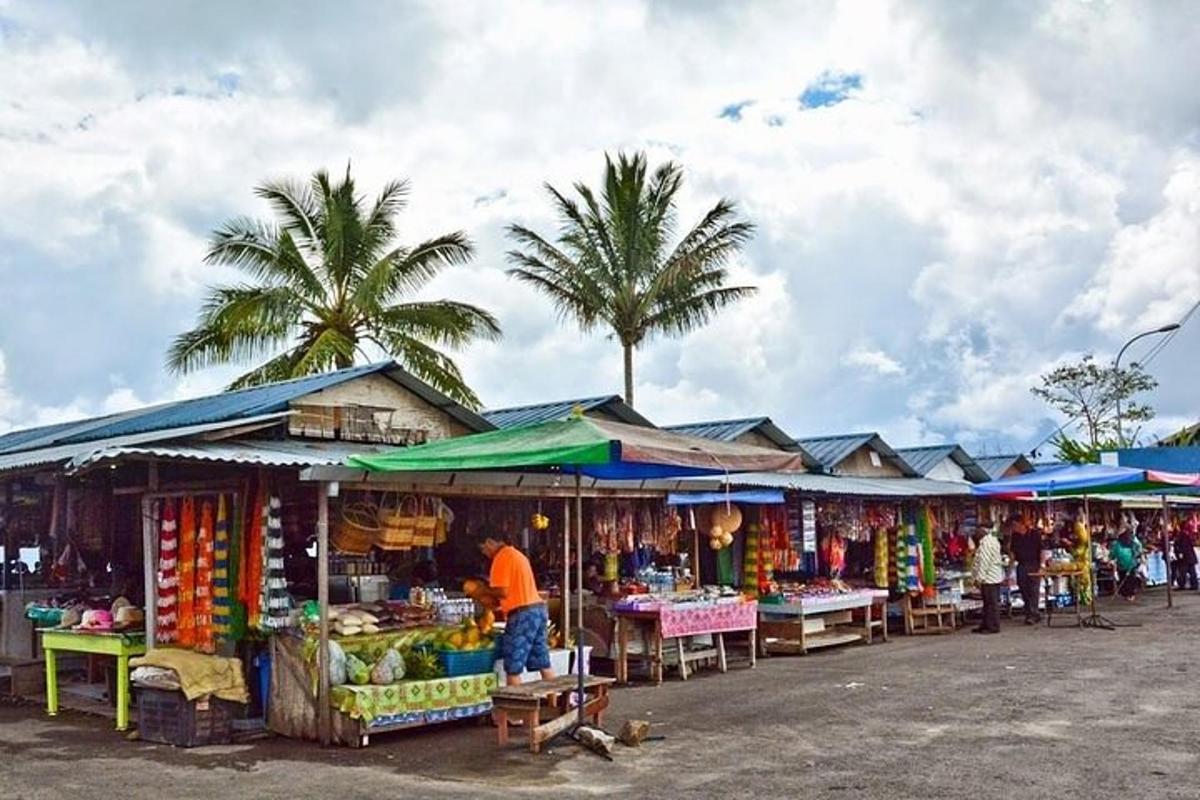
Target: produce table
{"x": 678, "y": 621}
{"x": 121, "y": 646}
{"x": 413, "y": 703}
{"x": 820, "y": 621}
{"x": 1073, "y": 576}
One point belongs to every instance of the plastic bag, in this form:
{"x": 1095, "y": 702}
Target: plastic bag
{"x": 357, "y": 671}
{"x": 384, "y": 671}
{"x": 338, "y": 674}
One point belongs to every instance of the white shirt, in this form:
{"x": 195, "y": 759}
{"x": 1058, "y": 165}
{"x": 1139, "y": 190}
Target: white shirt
{"x": 987, "y": 566}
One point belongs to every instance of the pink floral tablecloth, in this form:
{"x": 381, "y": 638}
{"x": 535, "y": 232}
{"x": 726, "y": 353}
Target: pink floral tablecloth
{"x": 708, "y": 619}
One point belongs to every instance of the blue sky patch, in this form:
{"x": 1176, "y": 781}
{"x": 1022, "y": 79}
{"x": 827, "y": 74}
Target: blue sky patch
{"x": 829, "y": 89}
{"x": 733, "y": 111}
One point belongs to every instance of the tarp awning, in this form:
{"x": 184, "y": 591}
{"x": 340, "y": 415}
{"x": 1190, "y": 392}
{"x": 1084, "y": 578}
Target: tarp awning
{"x": 1081, "y": 479}
{"x": 762, "y": 497}
{"x": 593, "y": 447}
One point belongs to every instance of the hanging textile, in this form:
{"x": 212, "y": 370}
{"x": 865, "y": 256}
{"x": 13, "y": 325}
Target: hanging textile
{"x": 168, "y": 575}
{"x": 187, "y": 573}
{"x": 237, "y": 542}
{"x": 725, "y": 566}
{"x": 912, "y": 568}
{"x": 221, "y": 606}
{"x": 882, "y": 560}
{"x": 204, "y": 580}
{"x": 275, "y": 596}
{"x": 751, "y": 560}
{"x": 901, "y": 559}
{"x": 252, "y": 562}
{"x": 927, "y": 569}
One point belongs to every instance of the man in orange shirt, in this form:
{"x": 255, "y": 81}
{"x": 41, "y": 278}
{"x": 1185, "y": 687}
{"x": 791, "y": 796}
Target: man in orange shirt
{"x": 512, "y": 588}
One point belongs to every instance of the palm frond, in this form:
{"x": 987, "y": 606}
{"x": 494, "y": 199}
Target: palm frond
{"x": 404, "y": 270}
{"x": 326, "y": 350}
{"x": 296, "y": 204}
{"x": 435, "y": 368}
{"x": 236, "y": 323}
{"x": 280, "y": 368}
{"x": 443, "y": 322}
{"x": 684, "y": 315}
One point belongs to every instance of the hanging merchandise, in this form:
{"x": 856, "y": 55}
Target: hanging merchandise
{"x": 881, "y": 558}
{"x": 1083, "y": 549}
{"x": 220, "y": 610}
{"x": 901, "y": 557}
{"x": 912, "y": 568}
{"x": 237, "y": 542}
{"x": 928, "y": 570}
{"x": 204, "y": 580}
{"x": 187, "y": 573}
{"x": 275, "y": 600}
{"x": 751, "y": 563}
{"x": 252, "y": 562}
{"x": 168, "y": 575}
{"x": 725, "y": 566}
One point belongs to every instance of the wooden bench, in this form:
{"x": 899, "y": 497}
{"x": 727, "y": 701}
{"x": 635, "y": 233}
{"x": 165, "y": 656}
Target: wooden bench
{"x": 527, "y": 701}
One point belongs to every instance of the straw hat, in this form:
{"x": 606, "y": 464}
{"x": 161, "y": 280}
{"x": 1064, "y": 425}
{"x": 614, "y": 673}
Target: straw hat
{"x": 728, "y": 516}
{"x": 71, "y": 617}
{"x": 96, "y": 620}
{"x": 128, "y": 617}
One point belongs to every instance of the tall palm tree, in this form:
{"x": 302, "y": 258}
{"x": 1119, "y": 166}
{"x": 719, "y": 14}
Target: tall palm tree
{"x": 324, "y": 281}
{"x": 614, "y": 265}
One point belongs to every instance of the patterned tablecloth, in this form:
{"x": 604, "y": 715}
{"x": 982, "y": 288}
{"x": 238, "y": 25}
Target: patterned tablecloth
{"x": 416, "y": 701}
{"x": 694, "y": 620}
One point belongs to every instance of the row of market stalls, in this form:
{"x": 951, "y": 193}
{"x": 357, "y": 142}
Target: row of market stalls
{"x": 314, "y": 536}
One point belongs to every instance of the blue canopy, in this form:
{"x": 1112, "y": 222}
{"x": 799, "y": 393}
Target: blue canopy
{"x": 1074, "y": 479}
{"x": 762, "y": 497}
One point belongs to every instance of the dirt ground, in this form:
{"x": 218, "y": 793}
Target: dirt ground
{"x": 1065, "y": 713}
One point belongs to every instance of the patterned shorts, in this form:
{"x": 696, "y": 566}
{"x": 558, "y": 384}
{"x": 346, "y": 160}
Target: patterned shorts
{"x": 524, "y": 646}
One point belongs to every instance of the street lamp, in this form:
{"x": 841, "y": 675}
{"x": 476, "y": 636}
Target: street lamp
{"x": 1174, "y": 326}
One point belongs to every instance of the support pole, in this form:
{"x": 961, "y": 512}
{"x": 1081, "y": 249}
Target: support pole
{"x": 323, "y": 711}
{"x": 1166, "y": 545}
{"x": 12, "y": 549}
{"x": 578, "y": 593}
{"x": 149, "y": 572}
{"x": 566, "y": 572}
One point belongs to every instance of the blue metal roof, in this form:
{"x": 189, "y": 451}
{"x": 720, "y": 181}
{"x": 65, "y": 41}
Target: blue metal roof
{"x": 241, "y": 404}
{"x": 833, "y": 450}
{"x": 558, "y": 410}
{"x": 925, "y": 459}
{"x": 726, "y": 430}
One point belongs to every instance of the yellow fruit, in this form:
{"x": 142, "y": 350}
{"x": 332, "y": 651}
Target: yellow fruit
{"x": 455, "y": 640}
{"x": 473, "y": 637}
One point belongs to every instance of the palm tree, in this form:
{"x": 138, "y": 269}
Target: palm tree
{"x": 326, "y": 280}
{"x": 613, "y": 264}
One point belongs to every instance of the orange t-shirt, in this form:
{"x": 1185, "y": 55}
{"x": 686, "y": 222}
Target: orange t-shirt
{"x": 512, "y": 573}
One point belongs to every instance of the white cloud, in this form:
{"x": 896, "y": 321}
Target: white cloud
{"x": 1007, "y": 186}
{"x": 873, "y": 360}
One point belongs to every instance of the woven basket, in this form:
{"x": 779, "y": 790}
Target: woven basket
{"x": 358, "y": 529}
{"x": 425, "y": 532}
{"x": 398, "y": 522}
{"x": 729, "y": 517}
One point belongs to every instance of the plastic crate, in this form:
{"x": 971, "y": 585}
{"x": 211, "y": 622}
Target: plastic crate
{"x": 170, "y": 718}
{"x": 457, "y": 663}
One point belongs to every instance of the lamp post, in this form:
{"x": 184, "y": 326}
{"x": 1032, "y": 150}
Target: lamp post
{"x": 1174, "y": 326}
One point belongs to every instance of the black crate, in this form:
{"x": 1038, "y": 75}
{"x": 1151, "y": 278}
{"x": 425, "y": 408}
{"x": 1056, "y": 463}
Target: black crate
{"x": 171, "y": 718}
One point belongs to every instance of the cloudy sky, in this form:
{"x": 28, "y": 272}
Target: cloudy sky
{"x": 950, "y": 197}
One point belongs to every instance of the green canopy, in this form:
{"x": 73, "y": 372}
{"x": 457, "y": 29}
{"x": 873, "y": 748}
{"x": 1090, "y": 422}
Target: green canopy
{"x": 594, "y": 447}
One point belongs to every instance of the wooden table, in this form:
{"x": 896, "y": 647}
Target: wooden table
{"x": 528, "y": 700}
{"x": 1073, "y": 577}
{"x": 666, "y": 622}
{"x": 121, "y": 646}
{"x": 821, "y": 621}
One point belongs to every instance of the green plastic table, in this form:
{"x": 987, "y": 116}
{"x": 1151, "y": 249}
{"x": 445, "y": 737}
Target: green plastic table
{"x": 121, "y": 646}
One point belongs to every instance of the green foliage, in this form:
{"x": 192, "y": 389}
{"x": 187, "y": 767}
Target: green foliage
{"x": 1074, "y": 451}
{"x": 614, "y": 265}
{"x": 323, "y": 281}
{"x": 1089, "y": 393}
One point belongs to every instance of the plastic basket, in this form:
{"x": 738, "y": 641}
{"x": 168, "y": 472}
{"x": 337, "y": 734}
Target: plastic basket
{"x": 170, "y": 718}
{"x": 457, "y": 663}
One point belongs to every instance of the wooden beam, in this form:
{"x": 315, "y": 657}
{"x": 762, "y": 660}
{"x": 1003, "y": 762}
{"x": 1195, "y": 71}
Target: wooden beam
{"x": 501, "y": 492}
{"x": 324, "y": 718}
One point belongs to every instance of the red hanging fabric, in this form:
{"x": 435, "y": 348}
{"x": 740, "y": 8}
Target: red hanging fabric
{"x": 204, "y": 580}
{"x": 187, "y": 573}
{"x": 168, "y": 576}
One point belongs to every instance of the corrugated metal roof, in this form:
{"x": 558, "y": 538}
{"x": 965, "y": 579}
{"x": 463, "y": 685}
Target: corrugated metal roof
{"x": 834, "y": 484}
{"x": 925, "y": 459}
{"x": 996, "y": 466}
{"x": 266, "y": 453}
{"x": 729, "y": 430}
{"x": 57, "y": 454}
{"x": 611, "y": 404}
{"x": 833, "y": 450}
{"x": 244, "y": 403}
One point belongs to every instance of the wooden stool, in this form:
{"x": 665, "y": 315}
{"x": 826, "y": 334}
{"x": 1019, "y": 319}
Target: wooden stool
{"x": 527, "y": 701}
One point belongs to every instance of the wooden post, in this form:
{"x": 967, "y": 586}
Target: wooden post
{"x": 579, "y": 587}
{"x": 323, "y": 712}
{"x": 12, "y": 548}
{"x": 566, "y": 573}
{"x": 149, "y": 572}
{"x": 1166, "y": 545}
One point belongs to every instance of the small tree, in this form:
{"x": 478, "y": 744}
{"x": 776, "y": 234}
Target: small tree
{"x": 1088, "y": 394}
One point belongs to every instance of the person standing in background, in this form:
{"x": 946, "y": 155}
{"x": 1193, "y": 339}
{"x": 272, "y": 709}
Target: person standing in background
{"x": 1126, "y": 554}
{"x": 1026, "y": 551}
{"x": 1185, "y": 557}
{"x": 513, "y": 589}
{"x": 988, "y": 571}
